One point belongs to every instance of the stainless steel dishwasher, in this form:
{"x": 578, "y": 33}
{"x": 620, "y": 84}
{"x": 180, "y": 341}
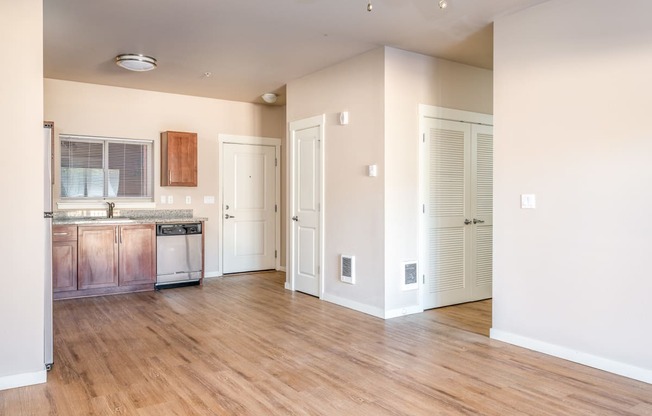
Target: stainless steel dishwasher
{"x": 178, "y": 254}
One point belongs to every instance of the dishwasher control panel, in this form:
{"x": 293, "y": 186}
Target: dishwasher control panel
{"x": 178, "y": 229}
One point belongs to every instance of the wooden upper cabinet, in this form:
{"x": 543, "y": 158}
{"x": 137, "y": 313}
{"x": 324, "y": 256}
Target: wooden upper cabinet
{"x": 137, "y": 254}
{"x": 178, "y": 158}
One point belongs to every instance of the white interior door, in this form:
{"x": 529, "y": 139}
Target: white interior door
{"x": 458, "y": 226}
{"x": 249, "y": 207}
{"x": 305, "y": 206}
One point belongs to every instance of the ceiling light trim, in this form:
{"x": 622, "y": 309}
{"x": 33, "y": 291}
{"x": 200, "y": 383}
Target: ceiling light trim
{"x": 136, "y": 62}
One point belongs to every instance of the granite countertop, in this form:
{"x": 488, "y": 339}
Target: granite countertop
{"x": 125, "y": 216}
{"x": 124, "y": 220}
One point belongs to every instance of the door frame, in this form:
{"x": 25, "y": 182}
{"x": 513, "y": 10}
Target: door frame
{"x": 306, "y": 123}
{"x": 441, "y": 113}
{"x": 254, "y": 141}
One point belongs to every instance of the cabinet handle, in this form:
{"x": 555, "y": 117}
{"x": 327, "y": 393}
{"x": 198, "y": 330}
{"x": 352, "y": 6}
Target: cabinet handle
{"x": 120, "y": 235}
{"x": 115, "y": 237}
{"x": 169, "y": 177}
{"x": 59, "y": 233}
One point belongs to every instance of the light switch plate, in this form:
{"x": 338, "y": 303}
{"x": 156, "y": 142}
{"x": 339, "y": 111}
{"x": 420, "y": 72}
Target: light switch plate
{"x": 528, "y": 201}
{"x": 209, "y": 199}
{"x": 170, "y": 199}
{"x": 163, "y": 199}
{"x": 188, "y": 200}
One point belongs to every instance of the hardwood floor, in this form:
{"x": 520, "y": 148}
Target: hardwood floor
{"x": 473, "y": 316}
{"x": 243, "y": 345}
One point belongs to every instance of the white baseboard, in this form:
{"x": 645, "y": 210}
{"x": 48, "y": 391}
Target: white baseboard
{"x": 212, "y": 274}
{"x": 22, "y": 380}
{"x": 281, "y": 269}
{"x": 395, "y": 313}
{"x": 360, "y": 307}
{"x": 601, "y": 363}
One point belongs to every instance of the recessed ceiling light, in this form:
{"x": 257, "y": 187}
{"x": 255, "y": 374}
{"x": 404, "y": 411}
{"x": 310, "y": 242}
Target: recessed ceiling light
{"x": 135, "y": 62}
{"x": 269, "y": 97}
{"x": 443, "y": 4}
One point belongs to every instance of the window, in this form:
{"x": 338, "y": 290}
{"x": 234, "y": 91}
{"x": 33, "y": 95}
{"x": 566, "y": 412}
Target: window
{"x": 106, "y": 168}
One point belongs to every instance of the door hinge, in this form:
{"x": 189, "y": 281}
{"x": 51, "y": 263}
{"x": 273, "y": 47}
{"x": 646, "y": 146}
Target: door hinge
{"x": 275, "y": 162}
{"x": 318, "y": 269}
{"x": 275, "y": 254}
{"x": 275, "y": 208}
{"x": 424, "y": 279}
{"x": 424, "y": 137}
{"x": 423, "y": 208}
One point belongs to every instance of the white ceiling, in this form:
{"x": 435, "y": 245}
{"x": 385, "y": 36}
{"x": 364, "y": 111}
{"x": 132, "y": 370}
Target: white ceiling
{"x": 253, "y": 46}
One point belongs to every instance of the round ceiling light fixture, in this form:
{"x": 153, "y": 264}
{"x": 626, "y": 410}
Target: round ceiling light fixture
{"x": 135, "y": 62}
{"x": 269, "y": 97}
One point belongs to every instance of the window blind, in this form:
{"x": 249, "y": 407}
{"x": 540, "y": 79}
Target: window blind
{"x": 101, "y": 168}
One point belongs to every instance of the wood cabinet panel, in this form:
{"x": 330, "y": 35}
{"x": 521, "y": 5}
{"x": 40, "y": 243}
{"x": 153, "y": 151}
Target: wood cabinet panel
{"x": 178, "y": 158}
{"x": 64, "y": 258}
{"x": 137, "y": 257}
{"x": 98, "y": 257}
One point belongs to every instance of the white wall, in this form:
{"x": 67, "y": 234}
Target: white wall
{"x": 376, "y": 219}
{"x": 353, "y": 206}
{"x": 572, "y": 101}
{"x": 412, "y": 79}
{"x": 22, "y": 249}
{"x": 97, "y": 110}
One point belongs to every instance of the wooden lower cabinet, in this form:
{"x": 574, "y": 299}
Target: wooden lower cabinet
{"x": 137, "y": 254}
{"x": 107, "y": 259}
{"x": 64, "y": 258}
{"x": 98, "y": 257}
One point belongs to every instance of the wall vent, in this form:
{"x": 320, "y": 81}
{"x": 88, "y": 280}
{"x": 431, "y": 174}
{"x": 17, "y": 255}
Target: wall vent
{"x": 347, "y": 269}
{"x": 409, "y": 275}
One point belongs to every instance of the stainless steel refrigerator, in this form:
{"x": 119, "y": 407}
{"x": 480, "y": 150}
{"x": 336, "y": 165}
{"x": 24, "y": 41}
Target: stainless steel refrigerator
{"x": 48, "y": 138}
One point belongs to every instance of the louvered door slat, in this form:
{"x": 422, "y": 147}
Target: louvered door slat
{"x": 447, "y": 171}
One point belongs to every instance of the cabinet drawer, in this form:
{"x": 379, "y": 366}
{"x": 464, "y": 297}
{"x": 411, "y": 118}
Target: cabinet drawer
{"x": 64, "y": 233}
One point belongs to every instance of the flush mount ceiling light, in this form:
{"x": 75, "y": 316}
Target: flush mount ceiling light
{"x": 135, "y": 62}
{"x": 443, "y": 4}
{"x": 269, "y": 97}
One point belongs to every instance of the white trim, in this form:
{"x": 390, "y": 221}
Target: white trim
{"x": 306, "y": 123}
{"x": 452, "y": 114}
{"x": 601, "y": 363}
{"x": 356, "y": 306}
{"x": 281, "y": 269}
{"x": 22, "y": 380}
{"x": 410, "y": 310}
{"x": 209, "y": 275}
{"x": 254, "y": 141}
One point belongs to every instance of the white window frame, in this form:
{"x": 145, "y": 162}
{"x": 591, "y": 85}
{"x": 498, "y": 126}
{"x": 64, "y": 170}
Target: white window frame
{"x": 100, "y": 203}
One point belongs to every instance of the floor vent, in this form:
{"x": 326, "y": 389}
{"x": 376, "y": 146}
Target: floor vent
{"x": 347, "y": 267}
{"x": 410, "y": 279}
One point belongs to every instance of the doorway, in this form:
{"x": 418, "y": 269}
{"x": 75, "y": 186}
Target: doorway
{"x": 249, "y": 201}
{"x": 306, "y": 206}
{"x": 457, "y": 228}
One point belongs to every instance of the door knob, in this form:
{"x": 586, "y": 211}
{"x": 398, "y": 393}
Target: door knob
{"x": 295, "y": 218}
{"x": 467, "y": 222}
{"x": 476, "y": 221}
{"x": 227, "y": 216}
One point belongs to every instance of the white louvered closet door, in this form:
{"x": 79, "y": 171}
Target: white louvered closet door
{"x": 482, "y": 206}
{"x": 458, "y": 212}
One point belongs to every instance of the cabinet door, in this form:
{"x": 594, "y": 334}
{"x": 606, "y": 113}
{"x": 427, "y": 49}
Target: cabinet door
{"x": 178, "y": 159}
{"x": 98, "y": 257}
{"x": 137, "y": 254}
{"x": 64, "y": 266}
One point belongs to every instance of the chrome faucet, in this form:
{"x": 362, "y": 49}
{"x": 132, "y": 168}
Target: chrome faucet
{"x": 109, "y": 212}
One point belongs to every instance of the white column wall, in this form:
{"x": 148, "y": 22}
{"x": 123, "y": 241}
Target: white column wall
{"x": 572, "y": 101}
